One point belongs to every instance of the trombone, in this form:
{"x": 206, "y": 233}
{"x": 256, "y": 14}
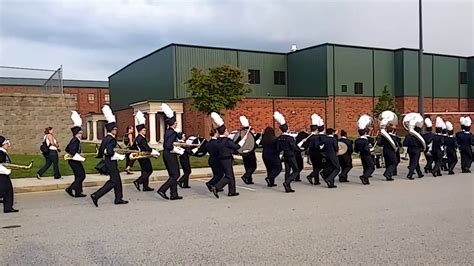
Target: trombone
{"x": 17, "y": 166}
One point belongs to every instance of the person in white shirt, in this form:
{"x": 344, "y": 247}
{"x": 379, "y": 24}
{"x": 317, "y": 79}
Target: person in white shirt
{"x": 51, "y": 155}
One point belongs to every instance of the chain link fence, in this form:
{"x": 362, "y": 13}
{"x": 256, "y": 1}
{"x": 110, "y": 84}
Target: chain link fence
{"x": 50, "y": 80}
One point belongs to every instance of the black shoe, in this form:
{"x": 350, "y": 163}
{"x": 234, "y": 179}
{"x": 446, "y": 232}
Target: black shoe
{"x": 434, "y": 174}
{"x": 298, "y": 180}
{"x": 57, "y": 178}
{"x": 451, "y": 173}
{"x": 220, "y": 190}
{"x": 95, "y": 200}
{"x": 317, "y": 183}
{"x": 162, "y": 194}
{"x": 367, "y": 181}
{"x": 427, "y": 171}
{"x": 468, "y": 171}
{"x": 137, "y": 185}
{"x": 421, "y": 175}
{"x": 390, "y": 179}
{"x": 185, "y": 187}
{"x": 245, "y": 180}
{"x": 38, "y": 176}
{"x": 327, "y": 182}
{"x": 145, "y": 189}
{"x": 343, "y": 180}
{"x": 287, "y": 188}
{"x": 269, "y": 184}
{"x": 180, "y": 184}
{"x": 332, "y": 186}
{"x": 208, "y": 186}
{"x": 250, "y": 182}
{"x": 410, "y": 176}
{"x": 310, "y": 180}
{"x": 369, "y": 176}
{"x": 10, "y": 210}
{"x": 80, "y": 195}
{"x": 214, "y": 191}
{"x": 233, "y": 194}
{"x": 176, "y": 198}
{"x": 120, "y": 202}
{"x": 69, "y": 191}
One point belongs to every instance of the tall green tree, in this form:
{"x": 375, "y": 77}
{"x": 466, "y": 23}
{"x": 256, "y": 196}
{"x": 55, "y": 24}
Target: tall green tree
{"x": 218, "y": 89}
{"x": 386, "y": 102}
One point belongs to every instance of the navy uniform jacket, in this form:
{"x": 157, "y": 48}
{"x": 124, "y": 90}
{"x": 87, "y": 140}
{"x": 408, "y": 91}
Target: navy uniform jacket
{"x": 465, "y": 141}
{"x": 413, "y": 144}
{"x": 330, "y": 148}
{"x": 385, "y": 143}
{"x": 226, "y": 148}
{"x": 314, "y": 142}
{"x": 74, "y": 146}
{"x": 141, "y": 144}
{"x": 362, "y": 146}
{"x": 287, "y": 144}
{"x": 212, "y": 147}
{"x": 428, "y": 137}
{"x": 270, "y": 150}
{"x": 4, "y": 158}
{"x": 438, "y": 143}
{"x": 349, "y": 144}
{"x": 171, "y": 136}
{"x": 107, "y": 147}
{"x": 451, "y": 145}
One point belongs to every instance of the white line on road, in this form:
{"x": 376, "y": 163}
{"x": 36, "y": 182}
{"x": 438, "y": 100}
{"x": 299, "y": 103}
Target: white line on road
{"x": 246, "y": 188}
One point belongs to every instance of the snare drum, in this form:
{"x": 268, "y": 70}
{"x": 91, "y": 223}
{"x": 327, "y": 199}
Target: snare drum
{"x": 248, "y": 146}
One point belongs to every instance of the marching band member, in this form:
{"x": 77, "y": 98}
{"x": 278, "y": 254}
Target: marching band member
{"x": 141, "y": 144}
{"x": 414, "y": 142}
{"x": 287, "y": 144}
{"x": 74, "y": 149}
{"x": 363, "y": 146}
{"x": 212, "y": 148}
{"x": 6, "y": 187}
{"x": 465, "y": 141}
{"x": 332, "y": 166}
{"x": 106, "y": 149}
{"x": 345, "y": 160}
{"x": 451, "y": 147}
{"x": 271, "y": 156}
{"x": 438, "y": 147}
{"x": 314, "y": 148}
{"x": 226, "y": 149}
{"x": 170, "y": 155}
{"x": 389, "y": 143}
{"x": 250, "y": 160}
{"x": 428, "y": 137}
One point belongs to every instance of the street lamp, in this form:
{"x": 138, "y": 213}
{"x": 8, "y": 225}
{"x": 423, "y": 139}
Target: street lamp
{"x": 421, "y": 108}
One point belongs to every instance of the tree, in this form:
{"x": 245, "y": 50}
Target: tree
{"x": 386, "y": 102}
{"x": 218, "y": 89}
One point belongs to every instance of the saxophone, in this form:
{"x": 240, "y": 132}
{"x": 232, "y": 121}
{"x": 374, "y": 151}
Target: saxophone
{"x": 17, "y": 166}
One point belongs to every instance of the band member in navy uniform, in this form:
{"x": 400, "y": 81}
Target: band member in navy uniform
{"x": 250, "y": 159}
{"x": 141, "y": 144}
{"x": 345, "y": 160}
{"x": 389, "y": 143}
{"x": 428, "y": 137}
{"x": 465, "y": 141}
{"x": 6, "y": 187}
{"x": 212, "y": 148}
{"x": 74, "y": 149}
{"x": 170, "y": 156}
{"x": 415, "y": 143}
{"x": 314, "y": 149}
{"x": 364, "y": 147}
{"x": 438, "y": 147}
{"x": 287, "y": 144}
{"x": 227, "y": 148}
{"x": 106, "y": 150}
{"x": 330, "y": 148}
{"x": 451, "y": 148}
{"x": 271, "y": 156}
{"x": 183, "y": 181}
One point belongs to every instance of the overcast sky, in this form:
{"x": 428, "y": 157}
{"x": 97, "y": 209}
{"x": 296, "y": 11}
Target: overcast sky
{"x": 93, "y": 39}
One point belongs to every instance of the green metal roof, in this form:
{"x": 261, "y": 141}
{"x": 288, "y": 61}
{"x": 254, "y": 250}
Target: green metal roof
{"x": 67, "y": 82}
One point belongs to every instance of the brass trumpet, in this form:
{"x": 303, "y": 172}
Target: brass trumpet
{"x": 17, "y": 166}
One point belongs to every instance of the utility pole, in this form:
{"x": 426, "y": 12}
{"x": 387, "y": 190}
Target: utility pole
{"x": 421, "y": 107}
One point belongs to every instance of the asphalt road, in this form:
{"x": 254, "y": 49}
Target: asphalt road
{"x": 428, "y": 220}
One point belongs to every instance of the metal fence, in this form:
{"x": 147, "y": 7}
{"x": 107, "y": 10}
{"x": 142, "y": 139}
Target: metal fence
{"x": 50, "y": 80}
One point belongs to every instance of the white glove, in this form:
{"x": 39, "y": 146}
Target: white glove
{"x": 155, "y": 153}
{"x": 4, "y": 170}
{"x": 178, "y": 150}
{"x": 78, "y": 157}
{"x": 258, "y": 141}
{"x": 117, "y": 157}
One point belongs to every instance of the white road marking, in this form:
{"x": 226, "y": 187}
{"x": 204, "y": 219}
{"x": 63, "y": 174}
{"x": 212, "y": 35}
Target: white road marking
{"x": 246, "y": 188}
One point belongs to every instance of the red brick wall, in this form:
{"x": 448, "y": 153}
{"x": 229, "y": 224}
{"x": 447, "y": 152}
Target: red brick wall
{"x": 124, "y": 118}
{"x": 83, "y": 104}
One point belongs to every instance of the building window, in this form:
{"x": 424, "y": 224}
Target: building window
{"x": 107, "y": 98}
{"x": 344, "y": 88}
{"x": 463, "y": 77}
{"x": 91, "y": 97}
{"x": 279, "y": 77}
{"x": 254, "y": 76}
{"x": 358, "y": 88}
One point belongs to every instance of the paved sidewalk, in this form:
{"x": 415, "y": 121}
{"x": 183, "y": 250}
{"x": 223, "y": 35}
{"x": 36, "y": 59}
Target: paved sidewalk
{"x": 25, "y": 185}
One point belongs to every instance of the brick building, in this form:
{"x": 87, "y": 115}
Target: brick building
{"x": 89, "y": 96}
{"x": 339, "y": 82}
